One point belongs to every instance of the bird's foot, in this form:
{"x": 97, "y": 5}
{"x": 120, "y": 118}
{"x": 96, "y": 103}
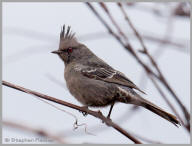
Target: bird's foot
{"x": 108, "y": 117}
{"x": 84, "y": 112}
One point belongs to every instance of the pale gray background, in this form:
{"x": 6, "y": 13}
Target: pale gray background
{"x": 31, "y": 32}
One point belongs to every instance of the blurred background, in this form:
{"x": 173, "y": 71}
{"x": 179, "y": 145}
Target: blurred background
{"x": 31, "y": 32}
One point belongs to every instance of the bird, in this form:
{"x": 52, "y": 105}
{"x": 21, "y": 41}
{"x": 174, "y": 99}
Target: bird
{"x": 94, "y": 83}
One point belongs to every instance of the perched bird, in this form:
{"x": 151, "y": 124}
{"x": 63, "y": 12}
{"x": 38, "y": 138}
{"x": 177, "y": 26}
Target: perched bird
{"x": 94, "y": 83}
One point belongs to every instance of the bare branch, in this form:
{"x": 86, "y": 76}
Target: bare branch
{"x": 127, "y": 46}
{"x": 98, "y": 114}
{"x": 178, "y": 46}
{"x": 161, "y": 76}
{"x": 148, "y": 70}
{"x": 37, "y": 131}
{"x": 113, "y": 20}
{"x": 169, "y": 103}
{"x": 182, "y": 9}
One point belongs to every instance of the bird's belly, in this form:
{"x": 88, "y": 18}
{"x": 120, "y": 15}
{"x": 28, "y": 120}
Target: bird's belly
{"x": 92, "y": 92}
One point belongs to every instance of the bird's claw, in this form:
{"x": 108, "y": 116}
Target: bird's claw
{"x": 108, "y": 117}
{"x": 84, "y": 112}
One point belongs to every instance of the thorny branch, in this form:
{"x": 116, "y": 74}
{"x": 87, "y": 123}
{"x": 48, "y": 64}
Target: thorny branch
{"x": 96, "y": 114}
{"x": 129, "y": 48}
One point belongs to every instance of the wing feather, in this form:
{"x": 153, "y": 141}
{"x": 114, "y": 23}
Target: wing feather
{"x": 109, "y": 75}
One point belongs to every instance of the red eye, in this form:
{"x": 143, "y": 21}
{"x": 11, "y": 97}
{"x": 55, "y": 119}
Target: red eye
{"x": 70, "y": 50}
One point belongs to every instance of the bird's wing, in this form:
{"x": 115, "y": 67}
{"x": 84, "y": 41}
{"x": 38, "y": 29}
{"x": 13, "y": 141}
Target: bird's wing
{"x": 109, "y": 75}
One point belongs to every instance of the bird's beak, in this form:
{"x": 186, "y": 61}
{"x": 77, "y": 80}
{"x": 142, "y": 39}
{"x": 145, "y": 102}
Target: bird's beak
{"x": 56, "y": 52}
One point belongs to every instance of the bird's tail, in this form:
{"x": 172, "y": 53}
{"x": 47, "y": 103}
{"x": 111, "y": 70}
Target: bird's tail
{"x": 138, "y": 100}
{"x": 157, "y": 110}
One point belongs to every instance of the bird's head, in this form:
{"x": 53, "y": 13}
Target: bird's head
{"x": 69, "y": 48}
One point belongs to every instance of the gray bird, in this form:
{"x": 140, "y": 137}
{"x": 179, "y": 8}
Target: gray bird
{"x": 96, "y": 84}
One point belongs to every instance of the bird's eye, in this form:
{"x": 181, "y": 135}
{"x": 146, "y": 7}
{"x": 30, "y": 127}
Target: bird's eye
{"x": 70, "y": 50}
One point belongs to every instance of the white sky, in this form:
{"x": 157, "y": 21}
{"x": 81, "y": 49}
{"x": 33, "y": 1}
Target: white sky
{"x": 31, "y": 32}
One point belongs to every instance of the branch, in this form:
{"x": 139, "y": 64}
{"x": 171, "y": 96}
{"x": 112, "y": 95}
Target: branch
{"x": 37, "y": 131}
{"x": 98, "y": 114}
{"x": 161, "y": 76}
{"x": 127, "y": 46}
{"x": 182, "y": 10}
{"x": 169, "y": 103}
{"x": 113, "y": 20}
{"x": 149, "y": 71}
{"x": 178, "y": 46}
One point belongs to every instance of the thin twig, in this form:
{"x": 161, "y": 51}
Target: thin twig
{"x": 127, "y": 46}
{"x": 169, "y": 103}
{"x": 113, "y": 20}
{"x": 121, "y": 119}
{"x": 76, "y": 124}
{"x": 178, "y": 46}
{"x": 98, "y": 114}
{"x": 161, "y": 76}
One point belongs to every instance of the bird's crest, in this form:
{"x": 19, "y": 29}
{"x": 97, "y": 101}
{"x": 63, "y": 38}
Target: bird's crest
{"x": 66, "y": 34}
